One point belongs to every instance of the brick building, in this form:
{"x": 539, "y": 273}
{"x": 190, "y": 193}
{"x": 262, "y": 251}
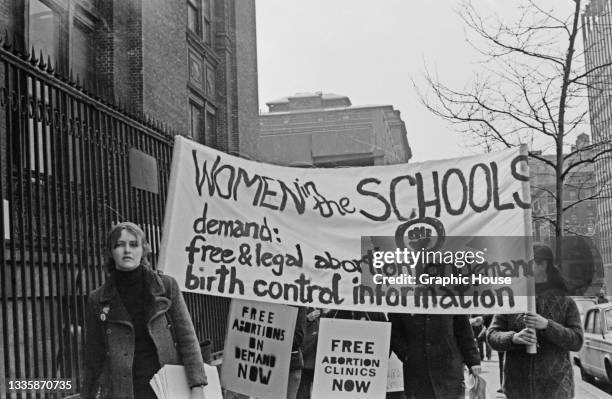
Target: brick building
{"x": 326, "y": 130}
{"x": 192, "y": 67}
{"x": 79, "y": 151}
{"x": 580, "y": 218}
{"x": 597, "y": 21}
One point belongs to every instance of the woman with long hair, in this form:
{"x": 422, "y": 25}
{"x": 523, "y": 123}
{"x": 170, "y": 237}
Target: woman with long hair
{"x": 554, "y": 327}
{"x": 137, "y": 322}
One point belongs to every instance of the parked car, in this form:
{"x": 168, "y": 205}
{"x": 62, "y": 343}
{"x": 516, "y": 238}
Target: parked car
{"x": 583, "y": 303}
{"x": 595, "y": 356}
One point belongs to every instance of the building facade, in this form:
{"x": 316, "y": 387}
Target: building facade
{"x": 580, "y": 228}
{"x": 597, "y": 22}
{"x": 192, "y": 67}
{"x": 580, "y": 219}
{"x": 326, "y": 130}
{"x": 91, "y": 92}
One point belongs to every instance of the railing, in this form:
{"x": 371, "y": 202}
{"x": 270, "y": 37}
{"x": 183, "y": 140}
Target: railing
{"x": 70, "y": 169}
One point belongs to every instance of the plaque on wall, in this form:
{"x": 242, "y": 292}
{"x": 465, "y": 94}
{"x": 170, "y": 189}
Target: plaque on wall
{"x": 143, "y": 171}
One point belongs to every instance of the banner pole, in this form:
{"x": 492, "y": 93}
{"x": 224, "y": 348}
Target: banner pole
{"x": 531, "y": 302}
{"x": 170, "y": 204}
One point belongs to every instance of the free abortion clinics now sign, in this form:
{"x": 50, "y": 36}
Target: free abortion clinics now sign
{"x": 262, "y": 232}
{"x": 354, "y": 367}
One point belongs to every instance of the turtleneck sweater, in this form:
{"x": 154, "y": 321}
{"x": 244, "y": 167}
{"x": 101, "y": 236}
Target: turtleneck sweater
{"x": 137, "y": 300}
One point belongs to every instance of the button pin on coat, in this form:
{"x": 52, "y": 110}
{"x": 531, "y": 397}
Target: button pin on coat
{"x": 105, "y": 311}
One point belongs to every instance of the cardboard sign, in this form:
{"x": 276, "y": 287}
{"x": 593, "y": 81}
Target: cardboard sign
{"x": 352, "y": 359}
{"x": 395, "y": 374}
{"x": 254, "y": 231}
{"x": 258, "y": 349}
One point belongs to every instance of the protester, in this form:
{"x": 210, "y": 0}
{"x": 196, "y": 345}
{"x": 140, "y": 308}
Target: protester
{"x": 297, "y": 358}
{"x": 479, "y": 325}
{"x": 433, "y": 349}
{"x": 310, "y": 352}
{"x": 481, "y": 339}
{"x": 137, "y": 322}
{"x": 601, "y": 296}
{"x": 548, "y": 373}
{"x": 501, "y": 355}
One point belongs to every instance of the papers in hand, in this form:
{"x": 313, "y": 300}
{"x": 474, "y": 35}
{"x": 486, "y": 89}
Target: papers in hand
{"x": 170, "y": 382}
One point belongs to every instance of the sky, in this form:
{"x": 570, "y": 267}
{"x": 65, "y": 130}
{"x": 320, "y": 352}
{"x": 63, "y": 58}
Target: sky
{"x": 370, "y": 51}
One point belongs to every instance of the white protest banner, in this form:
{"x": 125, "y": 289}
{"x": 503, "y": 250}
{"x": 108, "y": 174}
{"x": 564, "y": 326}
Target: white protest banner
{"x": 256, "y": 231}
{"x": 257, "y": 349}
{"x": 395, "y": 374}
{"x": 354, "y": 367}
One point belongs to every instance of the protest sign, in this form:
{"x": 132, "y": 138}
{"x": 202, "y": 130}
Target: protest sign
{"x": 257, "y": 349}
{"x": 256, "y": 231}
{"x": 395, "y": 374}
{"x": 354, "y": 367}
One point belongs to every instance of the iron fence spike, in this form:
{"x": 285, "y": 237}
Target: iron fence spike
{"x": 25, "y": 55}
{"x": 41, "y": 61}
{"x": 33, "y": 59}
{"x": 58, "y": 72}
{"x": 14, "y": 46}
{"x": 7, "y": 42}
{"x": 50, "y": 69}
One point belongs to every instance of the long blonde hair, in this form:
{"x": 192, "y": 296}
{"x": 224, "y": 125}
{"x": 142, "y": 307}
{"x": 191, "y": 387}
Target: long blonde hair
{"x": 113, "y": 236}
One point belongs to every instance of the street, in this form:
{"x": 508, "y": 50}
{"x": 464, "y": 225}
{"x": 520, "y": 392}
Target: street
{"x": 583, "y": 390}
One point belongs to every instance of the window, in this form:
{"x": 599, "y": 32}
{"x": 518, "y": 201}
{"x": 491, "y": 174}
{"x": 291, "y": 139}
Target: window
{"x": 44, "y": 25}
{"x": 589, "y": 323}
{"x": 196, "y": 127}
{"x": 210, "y": 128}
{"x": 34, "y": 147}
{"x": 207, "y": 22}
{"x": 195, "y": 69}
{"x": 210, "y": 81}
{"x": 65, "y": 34}
{"x": 48, "y": 27}
{"x": 597, "y": 323}
{"x": 82, "y": 52}
{"x": 194, "y": 16}
{"x": 609, "y": 320}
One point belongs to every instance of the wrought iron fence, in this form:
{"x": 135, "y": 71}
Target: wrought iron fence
{"x": 68, "y": 173}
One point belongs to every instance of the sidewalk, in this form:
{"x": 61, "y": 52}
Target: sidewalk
{"x": 490, "y": 373}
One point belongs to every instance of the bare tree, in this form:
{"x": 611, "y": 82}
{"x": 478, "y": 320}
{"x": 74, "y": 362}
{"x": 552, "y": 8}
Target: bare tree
{"x": 532, "y": 88}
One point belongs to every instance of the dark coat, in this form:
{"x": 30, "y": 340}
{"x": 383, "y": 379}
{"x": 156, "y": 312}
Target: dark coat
{"x": 548, "y": 374}
{"x": 433, "y": 349}
{"x": 311, "y": 336}
{"x": 297, "y": 356}
{"x": 109, "y": 344}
